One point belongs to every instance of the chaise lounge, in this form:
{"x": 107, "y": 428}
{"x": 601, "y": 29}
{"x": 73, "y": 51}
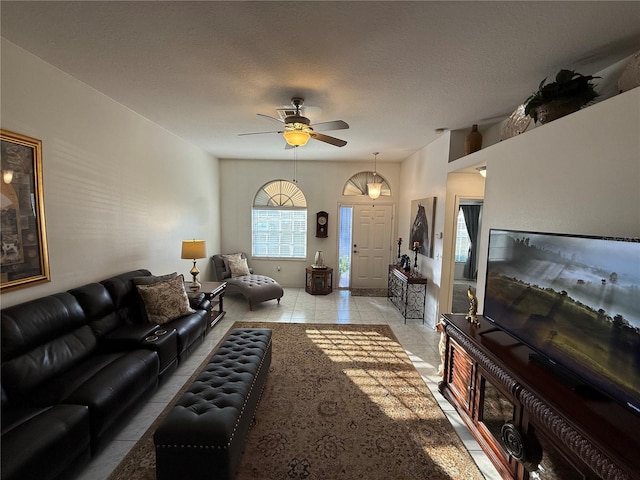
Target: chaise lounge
{"x": 234, "y": 270}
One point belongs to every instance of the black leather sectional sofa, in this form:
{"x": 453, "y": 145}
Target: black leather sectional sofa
{"x": 76, "y": 364}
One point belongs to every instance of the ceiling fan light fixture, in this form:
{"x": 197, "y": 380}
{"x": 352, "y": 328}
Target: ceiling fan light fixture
{"x": 296, "y": 138}
{"x": 298, "y": 130}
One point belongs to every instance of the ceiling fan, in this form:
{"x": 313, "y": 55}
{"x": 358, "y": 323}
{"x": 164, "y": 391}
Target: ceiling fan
{"x": 297, "y": 129}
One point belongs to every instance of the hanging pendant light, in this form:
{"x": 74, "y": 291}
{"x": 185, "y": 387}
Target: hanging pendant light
{"x": 7, "y": 176}
{"x": 375, "y": 188}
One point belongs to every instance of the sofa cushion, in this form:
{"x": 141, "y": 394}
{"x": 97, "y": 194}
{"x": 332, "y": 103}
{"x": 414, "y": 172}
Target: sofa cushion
{"x": 98, "y": 307}
{"x": 108, "y": 383}
{"x": 41, "y": 339}
{"x": 230, "y": 257}
{"x": 238, "y": 267}
{"x": 152, "y": 279}
{"x": 191, "y": 330}
{"x": 42, "y": 443}
{"x": 165, "y": 300}
{"x": 126, "y": 299}
{"x": 149, "y": 280}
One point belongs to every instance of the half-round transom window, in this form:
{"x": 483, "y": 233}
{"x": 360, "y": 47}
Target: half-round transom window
{"x": 280, "y": 193}
{"x": 357, "y": 184}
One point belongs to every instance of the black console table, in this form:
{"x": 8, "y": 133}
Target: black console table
{"x": 408, "y": 292}
{"x": 527, "y": 419}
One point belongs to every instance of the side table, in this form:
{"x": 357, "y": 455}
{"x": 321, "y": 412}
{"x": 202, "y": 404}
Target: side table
{"x": 408, "y": 292}
{"x": 214, "y": 292}
{"x": 319, "y": 281}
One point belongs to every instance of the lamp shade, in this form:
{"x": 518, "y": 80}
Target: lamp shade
{"x": 296, "y": 138}
{"x": 193, "y": 249}
{"x": 374, "y": 190}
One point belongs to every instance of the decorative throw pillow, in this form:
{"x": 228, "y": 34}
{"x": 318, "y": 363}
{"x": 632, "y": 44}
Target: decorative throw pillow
{"x": 227, "y": 258}
{"x": 151, "y": 279}
{"x": 165, "y": 300}
{"x": 239, "y": 267}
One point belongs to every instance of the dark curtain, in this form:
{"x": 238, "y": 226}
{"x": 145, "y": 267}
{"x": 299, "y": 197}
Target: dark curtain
{"x": 471, "y": 219}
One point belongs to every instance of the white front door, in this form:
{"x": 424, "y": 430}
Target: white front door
{"x": 371, "y": 250}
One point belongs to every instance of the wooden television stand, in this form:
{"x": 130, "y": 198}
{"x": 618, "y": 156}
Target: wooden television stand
{"x": 529, "y": 421}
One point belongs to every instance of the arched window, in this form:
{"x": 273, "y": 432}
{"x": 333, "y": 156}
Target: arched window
{"x": 357, "y": 184}
{"x": 279, "y": 221}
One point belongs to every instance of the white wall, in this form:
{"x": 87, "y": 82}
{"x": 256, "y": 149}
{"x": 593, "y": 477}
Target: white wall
{"x": 120, "y": 192}
{"x": 579, "y": 174}
{"x": 424, "y": 174}
{"x": 322, "y": 184}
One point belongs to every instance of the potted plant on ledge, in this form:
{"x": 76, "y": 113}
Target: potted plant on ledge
{"x": 569, "y": 93}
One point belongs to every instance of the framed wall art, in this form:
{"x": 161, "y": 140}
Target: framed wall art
{"x": 24, "y": 259}
{"x": 423, "y": 214}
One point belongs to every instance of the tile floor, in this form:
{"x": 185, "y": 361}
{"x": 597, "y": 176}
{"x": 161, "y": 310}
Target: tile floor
{"x": 420, "y": 343}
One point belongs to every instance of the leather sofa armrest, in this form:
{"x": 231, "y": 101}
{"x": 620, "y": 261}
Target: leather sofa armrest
{"x": 128, "y": 335}
{"x": 197, "y": 300}
{"x": 200, "y": 301}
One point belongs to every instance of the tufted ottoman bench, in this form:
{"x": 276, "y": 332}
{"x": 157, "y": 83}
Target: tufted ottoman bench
{"x": 203, "y": 435}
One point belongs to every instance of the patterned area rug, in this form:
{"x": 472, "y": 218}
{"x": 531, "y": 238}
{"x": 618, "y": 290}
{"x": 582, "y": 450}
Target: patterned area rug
{"x": 368, "y": 292}
{"x": 341, "y": 402}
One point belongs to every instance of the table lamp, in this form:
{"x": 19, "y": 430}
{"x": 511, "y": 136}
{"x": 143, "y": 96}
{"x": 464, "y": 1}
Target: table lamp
{"x": 192, "y": 250}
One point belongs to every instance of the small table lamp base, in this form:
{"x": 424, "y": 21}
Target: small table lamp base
{"x": 195, "y": 284}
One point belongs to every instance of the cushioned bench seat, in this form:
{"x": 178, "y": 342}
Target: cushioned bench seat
{"x": 203, "y": 435}
{"x": 255, "y": 288}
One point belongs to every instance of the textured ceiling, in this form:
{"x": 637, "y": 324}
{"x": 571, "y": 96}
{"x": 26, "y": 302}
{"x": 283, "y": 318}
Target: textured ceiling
{"x": 395, "y": 71}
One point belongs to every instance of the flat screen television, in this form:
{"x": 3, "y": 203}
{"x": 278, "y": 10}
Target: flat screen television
{"x": 575, "y": 300}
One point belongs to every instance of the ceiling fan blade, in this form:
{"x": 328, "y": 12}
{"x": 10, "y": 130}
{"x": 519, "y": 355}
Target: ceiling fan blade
{"x": 327, "y": 139}
{"x": 270, "y": 117}
{"x": 259, "y": 133}
{"x": 335, "y": 125}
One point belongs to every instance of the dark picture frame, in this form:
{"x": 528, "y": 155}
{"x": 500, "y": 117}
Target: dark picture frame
{"x": 24, "y": 257}
{"x": 423, "y": 214}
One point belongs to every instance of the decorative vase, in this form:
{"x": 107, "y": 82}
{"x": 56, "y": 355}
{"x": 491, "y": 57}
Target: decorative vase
{"x": 473, "y": 142}
{"x": 555, "y": 109}
{"x": 319, "y": 260}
